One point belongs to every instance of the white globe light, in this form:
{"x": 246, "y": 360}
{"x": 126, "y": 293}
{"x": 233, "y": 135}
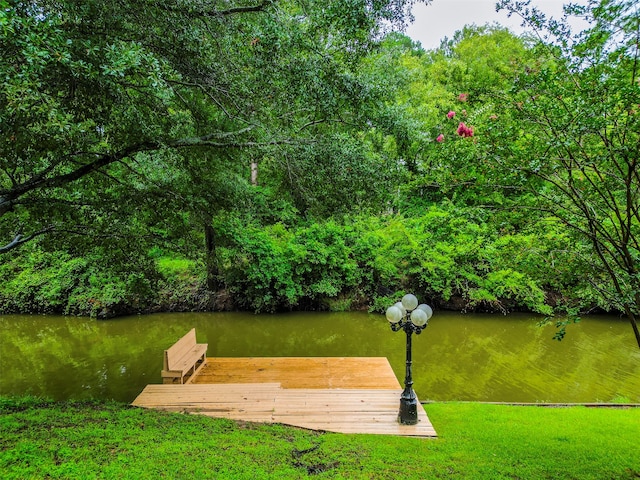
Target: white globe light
{"x": 419, "y": 318}
{"x": 409, "y": 301}
{"x": 427, "y": 309}
{"x": 401, "y": 308}
{"x": 394, "y": 314}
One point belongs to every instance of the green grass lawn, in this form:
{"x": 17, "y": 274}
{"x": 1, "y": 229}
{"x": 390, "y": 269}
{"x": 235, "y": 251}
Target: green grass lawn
{"x": 477, "y": 441}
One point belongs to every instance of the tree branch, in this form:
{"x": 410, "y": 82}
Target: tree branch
{"x": 219, "y": 13}
{"x": 19, "y": 239}
{"x": 10, "y": 197}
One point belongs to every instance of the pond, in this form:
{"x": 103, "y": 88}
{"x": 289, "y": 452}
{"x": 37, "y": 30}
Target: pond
{"x": 457, "y": 357}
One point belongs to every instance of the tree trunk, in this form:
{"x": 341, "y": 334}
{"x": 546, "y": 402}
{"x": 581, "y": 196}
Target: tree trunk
{"x": 254, "y": 173}
{"x": 210, "y": 258}
{"x": 633, "y": 319}
{"x": 634, "y": 325}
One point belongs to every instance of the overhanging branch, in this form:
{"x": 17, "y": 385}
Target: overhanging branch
{"x": 219, "y": 13}
{"x": 205, "y": 141}
{"x": 20, "y": 239}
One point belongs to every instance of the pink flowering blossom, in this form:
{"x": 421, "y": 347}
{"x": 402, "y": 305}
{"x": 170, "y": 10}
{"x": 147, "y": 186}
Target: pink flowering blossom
{"x": 464, "y": 131}
{"x": 440, "y": 138}
{"x": 463, "y": 97}
{"x": 451, "y": 114}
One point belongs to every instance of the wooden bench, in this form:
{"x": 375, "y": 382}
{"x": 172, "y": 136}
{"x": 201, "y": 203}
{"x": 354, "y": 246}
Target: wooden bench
{"x": 183, "y": 357}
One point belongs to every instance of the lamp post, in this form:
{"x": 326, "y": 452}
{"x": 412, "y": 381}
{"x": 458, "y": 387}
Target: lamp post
{"x": 407, "y": 315}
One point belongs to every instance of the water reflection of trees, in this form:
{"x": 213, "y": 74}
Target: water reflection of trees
{"x": 61, "y": 357}
{"x": 514, "y": 360}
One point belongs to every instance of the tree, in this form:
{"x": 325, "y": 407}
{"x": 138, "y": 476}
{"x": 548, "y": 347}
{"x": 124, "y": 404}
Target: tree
{"x": 96, "y": 94}
{"x": 478, "y": 60}
{"x": 460, "y": 83}
{"x": 571, "y": 134}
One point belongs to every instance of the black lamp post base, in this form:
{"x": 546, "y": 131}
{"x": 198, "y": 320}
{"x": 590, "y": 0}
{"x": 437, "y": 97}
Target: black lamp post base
{"x": 408, "y": 414}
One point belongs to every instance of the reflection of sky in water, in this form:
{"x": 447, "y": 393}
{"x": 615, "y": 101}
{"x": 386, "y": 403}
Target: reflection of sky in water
{"x": 457, "y": 357}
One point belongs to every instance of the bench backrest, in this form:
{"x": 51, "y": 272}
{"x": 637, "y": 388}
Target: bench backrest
{"x": 176, "y": 351}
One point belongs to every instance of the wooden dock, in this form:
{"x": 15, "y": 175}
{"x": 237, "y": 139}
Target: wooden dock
{"x": 335, "y": 394}
{"x": 302, "y": 372}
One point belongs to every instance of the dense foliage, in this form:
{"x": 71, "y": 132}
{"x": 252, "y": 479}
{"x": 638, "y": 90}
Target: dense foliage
{"x": 450, "y": 254}
{"x": 290, "y": 155}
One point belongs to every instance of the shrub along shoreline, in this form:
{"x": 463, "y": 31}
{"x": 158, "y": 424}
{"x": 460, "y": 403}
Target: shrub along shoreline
{"x": 105, "y": 440}
{"x": 449, "y": 259}
{"x": 451, "y": 262}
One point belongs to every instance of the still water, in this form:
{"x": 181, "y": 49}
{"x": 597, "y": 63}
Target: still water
{"x": 457, "y": 357}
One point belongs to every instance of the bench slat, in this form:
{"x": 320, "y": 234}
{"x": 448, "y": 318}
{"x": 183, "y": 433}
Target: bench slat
{"x": 185, "y": 343}
{"x": 178, "y": 349}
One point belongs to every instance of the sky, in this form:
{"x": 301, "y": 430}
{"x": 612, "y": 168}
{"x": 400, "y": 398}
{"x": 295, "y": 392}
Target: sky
{"x": 442, "y": 18}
